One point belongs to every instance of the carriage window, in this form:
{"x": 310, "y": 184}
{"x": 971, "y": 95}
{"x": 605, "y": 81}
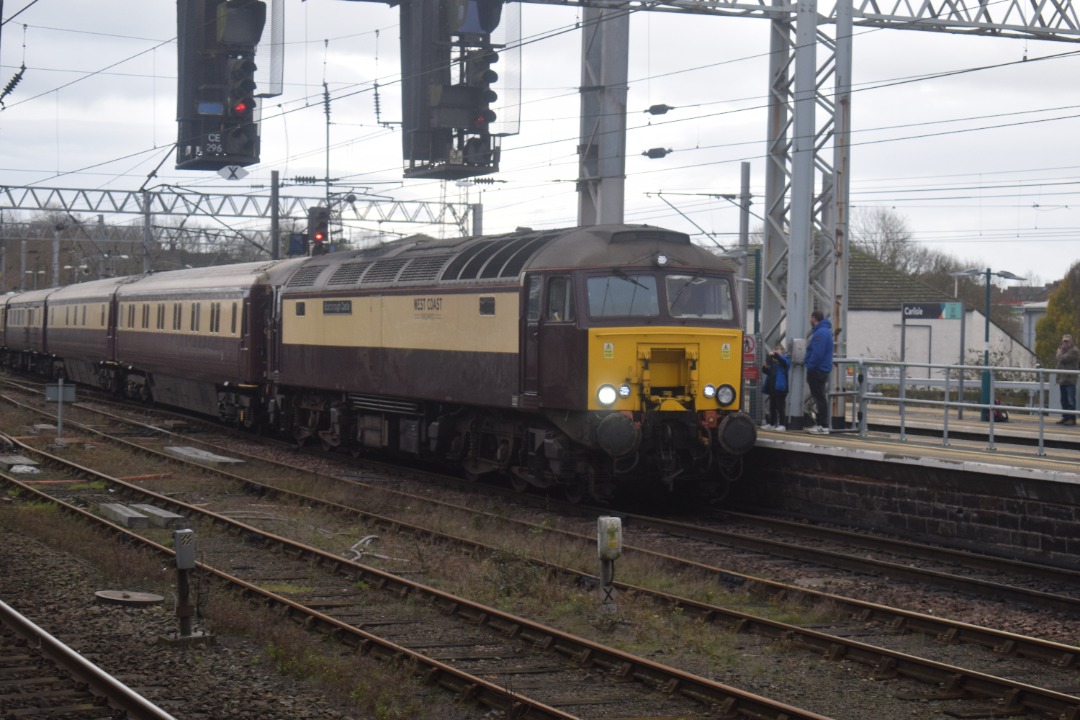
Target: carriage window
{"x": 131, "y": 316}
{"x": 232, "y": 324}
{"x": 560, "y": 301}
{"x": 177, "y": 316}
{"x": 84, "y": 315}
{"x": 697, "y": 296}
{"x": 146, "y": 316}
{"x": 621, "y": 295}
{"x": 161, "y": 316}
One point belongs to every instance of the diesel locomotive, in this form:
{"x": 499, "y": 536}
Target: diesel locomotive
{"x": 592, "y": 360}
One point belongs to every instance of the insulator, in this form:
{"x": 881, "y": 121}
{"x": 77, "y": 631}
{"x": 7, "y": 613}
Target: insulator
{"x": 13, "y": 82}
{"x": 655, "y": 153}
{"x": 659, "y": 109}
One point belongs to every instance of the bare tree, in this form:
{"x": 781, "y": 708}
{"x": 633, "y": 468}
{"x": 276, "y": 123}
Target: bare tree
{"x": 884, "y": 234}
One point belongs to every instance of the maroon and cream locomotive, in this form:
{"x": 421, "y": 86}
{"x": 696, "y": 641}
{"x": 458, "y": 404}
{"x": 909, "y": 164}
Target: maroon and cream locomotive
{"x": 589, "y": 359}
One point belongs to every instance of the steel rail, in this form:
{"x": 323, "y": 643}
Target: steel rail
{"x": 886, "y": 662}
{"x": 625, "y": 665}
{"x": 778, "y": 548}
{"x": 950, "y": 630}
{"x": 101, "y": 684}
{"x": 1063, "y": 575}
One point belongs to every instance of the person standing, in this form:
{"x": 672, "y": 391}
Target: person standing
{"x": 818, "y": 363}
{"x": 776, "y": 369}
{"x": 1068, "y": 358}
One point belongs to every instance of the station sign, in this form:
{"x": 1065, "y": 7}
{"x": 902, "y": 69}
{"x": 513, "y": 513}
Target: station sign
{"x": 932, "y": 311}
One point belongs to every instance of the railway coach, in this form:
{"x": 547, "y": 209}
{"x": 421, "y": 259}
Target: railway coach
{"x": 25, "y": 332}
{"x": 589, "y": 359}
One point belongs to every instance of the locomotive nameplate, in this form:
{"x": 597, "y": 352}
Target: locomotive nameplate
{"x": 337, "y": 307}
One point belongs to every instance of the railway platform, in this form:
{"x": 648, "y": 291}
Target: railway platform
{"x": 1010, "y": 488}
{"x": 928, "y": 437}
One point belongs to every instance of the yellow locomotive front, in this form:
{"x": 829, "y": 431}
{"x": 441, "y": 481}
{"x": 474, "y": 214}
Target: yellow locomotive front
{"x": 665, "y": 375}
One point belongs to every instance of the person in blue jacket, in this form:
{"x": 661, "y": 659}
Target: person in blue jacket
{"x": 775, "y": 388}
{"x": 818, "y": 363}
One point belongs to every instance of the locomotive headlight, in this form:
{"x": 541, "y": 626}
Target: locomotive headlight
{"x": 624, "y": 391}
{"x": 661, "y": 260}
{"x": 725, "y": 395}
{"x": 607, "y": 394}
{"x": 709, "y": 391}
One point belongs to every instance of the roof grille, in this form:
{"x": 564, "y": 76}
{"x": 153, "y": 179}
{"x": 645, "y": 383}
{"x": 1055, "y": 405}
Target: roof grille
{"x": 306, "y": 276}
{"x": 349, "y": 273}
{"x": 384, "y": 271}
{"x": 423, "y": 268}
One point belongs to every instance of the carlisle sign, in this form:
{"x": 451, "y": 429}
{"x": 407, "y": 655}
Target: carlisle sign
{"x": 933, "y": 311}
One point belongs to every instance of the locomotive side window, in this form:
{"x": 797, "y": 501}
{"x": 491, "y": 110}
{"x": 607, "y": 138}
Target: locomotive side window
{"x": 560, "y": 300}
{"x": 621, "y": 295}
{"x": 300, "y": 309}
{"x": 487, "y": 306}
{"x": 533, "y": 310}
{"x": 696, "y": 296}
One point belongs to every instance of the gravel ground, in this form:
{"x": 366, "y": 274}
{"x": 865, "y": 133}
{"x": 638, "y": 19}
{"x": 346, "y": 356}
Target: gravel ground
{"x": 237, "y": 677}
{"x": 232, "y": 677}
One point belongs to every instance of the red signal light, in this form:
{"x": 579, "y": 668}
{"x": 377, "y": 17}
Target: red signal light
{"x": 240, "y": 107}
{"x": 319, "y": 237}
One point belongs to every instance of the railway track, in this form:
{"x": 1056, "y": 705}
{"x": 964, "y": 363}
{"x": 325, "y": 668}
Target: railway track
{"x": 900, "y": 666}
{"x": 41, "y": 677}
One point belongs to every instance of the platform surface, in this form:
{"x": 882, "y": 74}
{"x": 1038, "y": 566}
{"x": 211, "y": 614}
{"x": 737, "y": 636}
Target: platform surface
{"x": 926, "y": 436}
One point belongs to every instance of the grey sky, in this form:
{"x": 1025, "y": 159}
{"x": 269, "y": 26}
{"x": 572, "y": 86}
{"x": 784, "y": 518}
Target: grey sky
{"x": 983, "y": 165}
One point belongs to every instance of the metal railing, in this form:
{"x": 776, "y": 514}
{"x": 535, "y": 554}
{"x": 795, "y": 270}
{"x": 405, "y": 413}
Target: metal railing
{"x": 861, "y": 383}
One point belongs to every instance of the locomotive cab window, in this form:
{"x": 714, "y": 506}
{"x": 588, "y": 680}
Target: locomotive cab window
{"x": 487, "y": 306}
{"x": 622, "y": 295}
{"x": 560, "y": 300}
{"x": 700, "y": 297}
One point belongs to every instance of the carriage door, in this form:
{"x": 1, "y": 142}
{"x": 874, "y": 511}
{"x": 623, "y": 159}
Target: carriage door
{"x": 530, "y": 337}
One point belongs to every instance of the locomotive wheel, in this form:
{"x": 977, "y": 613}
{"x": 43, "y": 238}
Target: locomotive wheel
{"x": 518, "y": 483}
{"x": 575, "y": 494}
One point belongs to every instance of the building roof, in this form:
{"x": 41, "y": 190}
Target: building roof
{"x": 873, "y": 285}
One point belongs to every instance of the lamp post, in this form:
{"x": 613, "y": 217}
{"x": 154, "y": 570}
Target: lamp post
{"x": 984, "y": 396}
